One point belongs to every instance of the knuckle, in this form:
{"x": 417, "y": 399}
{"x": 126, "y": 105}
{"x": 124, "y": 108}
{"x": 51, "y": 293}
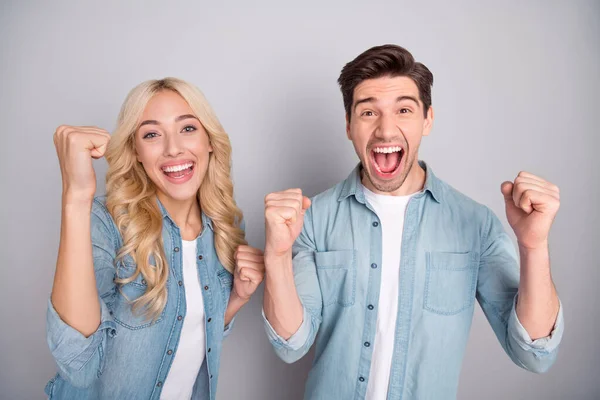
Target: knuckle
{"x": 72, "y": 138}
{"x": 62, "y": 128}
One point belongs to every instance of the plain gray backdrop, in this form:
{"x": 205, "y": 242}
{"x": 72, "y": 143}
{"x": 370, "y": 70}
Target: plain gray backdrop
{"x": 516, "y": 88}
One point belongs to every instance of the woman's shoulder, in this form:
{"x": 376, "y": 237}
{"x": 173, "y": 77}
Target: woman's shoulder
{"x": 99, "y": 208}
{"x": 101, "y": 218}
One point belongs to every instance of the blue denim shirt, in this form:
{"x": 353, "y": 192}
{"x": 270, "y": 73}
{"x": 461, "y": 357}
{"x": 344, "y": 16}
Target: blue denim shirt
{"x": 129, "y": 357}
{"x": 454, "y": 251}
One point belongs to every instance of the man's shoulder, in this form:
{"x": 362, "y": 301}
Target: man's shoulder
{"x": 328, "y": 198}
{"x": 457, "y": 201}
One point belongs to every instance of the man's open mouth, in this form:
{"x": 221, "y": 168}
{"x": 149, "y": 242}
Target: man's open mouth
{"x": 387, "y": 160}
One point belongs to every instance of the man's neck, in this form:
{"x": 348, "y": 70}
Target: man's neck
{"x": 414, "y": 182}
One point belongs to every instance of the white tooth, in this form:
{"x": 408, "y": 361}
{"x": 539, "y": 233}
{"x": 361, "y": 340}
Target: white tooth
{"x": 177, "y": 168}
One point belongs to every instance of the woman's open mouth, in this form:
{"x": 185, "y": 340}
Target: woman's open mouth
{"x": 178, "y": 173}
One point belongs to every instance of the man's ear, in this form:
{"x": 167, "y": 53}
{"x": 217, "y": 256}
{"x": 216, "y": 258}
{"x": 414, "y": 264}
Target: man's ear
{"x": 428, "y": 122}
{"x": 348, "y": 127}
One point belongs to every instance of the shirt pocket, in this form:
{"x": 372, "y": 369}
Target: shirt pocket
{"x": 337, "y": 277}
{"x": 121, "y": 305}
{"x": 451, "y": 282}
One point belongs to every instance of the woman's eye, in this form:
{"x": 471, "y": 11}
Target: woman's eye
{"x": 189, "y": 128}
{"x": 150, "y": 135}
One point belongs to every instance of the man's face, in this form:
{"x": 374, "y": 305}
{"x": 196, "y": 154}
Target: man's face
{"x": 386, "y": 125}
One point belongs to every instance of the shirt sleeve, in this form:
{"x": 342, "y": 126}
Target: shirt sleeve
{"x": 297, "y": 340}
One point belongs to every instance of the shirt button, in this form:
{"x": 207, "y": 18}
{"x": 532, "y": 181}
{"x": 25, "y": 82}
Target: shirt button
{"x": 176, "y": 249}
{"x": 170, "y": 352}
{"x": 179, "y": 318}
{"x": 375, "y": 224}
{"x": 210, "y": 319}
{"x": 210, "y": 376}
{"x": 209, "y": 349}
{"x": 143, "y": 281}
{"x": 159, "y": 384}
{"x": 180, "y": 283}
{"x": 200, "y": 257}
{"x": 370, "y": 306}
{"x": 361, "y": 379}
{"x": 205, "y": 287}
{"x": 367, "y": 344}
{"x": 373, "y": 265}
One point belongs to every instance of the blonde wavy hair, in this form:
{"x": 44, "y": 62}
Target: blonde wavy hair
{"x": 131, "y": 195}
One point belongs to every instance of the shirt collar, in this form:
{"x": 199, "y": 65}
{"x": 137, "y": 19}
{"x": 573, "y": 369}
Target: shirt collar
{"x": 206, "y": 221}
{"x": 353, "y": 187}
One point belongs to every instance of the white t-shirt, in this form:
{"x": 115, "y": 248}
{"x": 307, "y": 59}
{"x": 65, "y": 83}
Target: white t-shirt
{"x": 391, "y": 211}
{"x": 190, "y": 353}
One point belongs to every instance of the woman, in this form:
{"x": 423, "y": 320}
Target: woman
{"x": 146, "y": 289}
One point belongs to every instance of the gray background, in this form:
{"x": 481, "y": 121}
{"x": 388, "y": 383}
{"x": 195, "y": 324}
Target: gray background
{"x": 516, "y": 87}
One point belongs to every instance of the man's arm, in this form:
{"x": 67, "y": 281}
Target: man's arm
{"x": 292, "y": 300}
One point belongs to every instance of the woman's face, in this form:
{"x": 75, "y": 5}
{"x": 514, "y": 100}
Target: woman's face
{"x": 172, "y": 146}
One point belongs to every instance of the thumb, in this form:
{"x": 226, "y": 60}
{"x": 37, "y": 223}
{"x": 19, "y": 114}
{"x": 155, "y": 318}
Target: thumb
{"x": 507, "y": 188}
{"x": 305, "y": 203}
{"x": 243, "y": 276}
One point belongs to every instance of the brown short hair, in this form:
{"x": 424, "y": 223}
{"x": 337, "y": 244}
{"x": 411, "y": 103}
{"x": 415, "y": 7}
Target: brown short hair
{"x": 387, "y": 60}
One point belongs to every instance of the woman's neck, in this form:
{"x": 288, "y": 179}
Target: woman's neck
{"x": 186, "y": 215}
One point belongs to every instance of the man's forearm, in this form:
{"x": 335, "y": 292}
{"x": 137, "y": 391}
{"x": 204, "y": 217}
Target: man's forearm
{"x": 282, "y": 305}
{"x": 537, "y": 304}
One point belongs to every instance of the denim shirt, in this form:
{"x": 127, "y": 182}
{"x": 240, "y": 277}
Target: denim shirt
{"x": 128, "y": 357}
{"x": 454, "y": 251}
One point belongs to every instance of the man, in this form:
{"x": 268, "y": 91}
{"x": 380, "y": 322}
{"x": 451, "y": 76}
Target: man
{"x": 386, "y": 265}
